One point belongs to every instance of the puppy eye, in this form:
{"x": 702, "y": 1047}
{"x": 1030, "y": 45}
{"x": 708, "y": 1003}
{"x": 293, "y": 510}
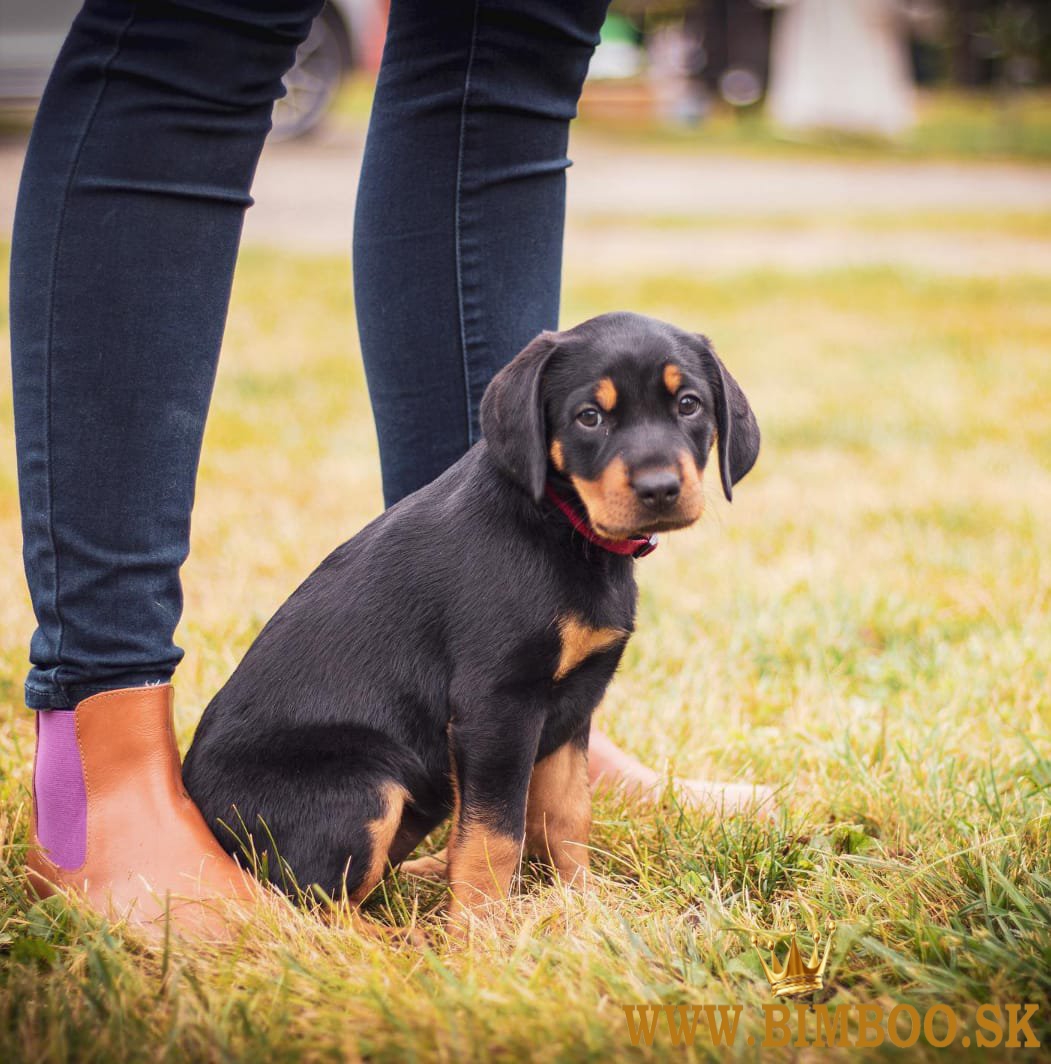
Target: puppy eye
{"x": 689, "y": 405}
{"x": 589, "y": 417}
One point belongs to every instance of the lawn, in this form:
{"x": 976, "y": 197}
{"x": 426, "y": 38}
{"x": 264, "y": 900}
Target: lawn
{"x": 866, "y": 627}
{"x": 949, "y": 123}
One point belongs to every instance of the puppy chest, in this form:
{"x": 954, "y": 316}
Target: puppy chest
{"x": 586, "y": 659}
{"x": 579, "y": 640}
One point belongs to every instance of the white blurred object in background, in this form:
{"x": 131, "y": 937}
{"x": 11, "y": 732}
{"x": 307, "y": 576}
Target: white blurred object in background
{"x": 672, "y": 63}
{"x": 842, "y": 65}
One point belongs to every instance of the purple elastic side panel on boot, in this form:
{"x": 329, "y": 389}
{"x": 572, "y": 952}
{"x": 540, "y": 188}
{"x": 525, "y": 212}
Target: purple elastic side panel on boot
{"x": 61, "y": 801}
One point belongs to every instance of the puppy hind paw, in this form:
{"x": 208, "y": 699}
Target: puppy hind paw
{"x": 433, "y": 866}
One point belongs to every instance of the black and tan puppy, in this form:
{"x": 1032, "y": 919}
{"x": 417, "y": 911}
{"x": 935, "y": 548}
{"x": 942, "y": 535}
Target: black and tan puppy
{"x": 447, "y": 659}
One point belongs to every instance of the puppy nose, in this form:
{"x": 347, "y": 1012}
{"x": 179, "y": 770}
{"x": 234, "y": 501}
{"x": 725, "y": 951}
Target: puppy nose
{"x": 657, "y": 489}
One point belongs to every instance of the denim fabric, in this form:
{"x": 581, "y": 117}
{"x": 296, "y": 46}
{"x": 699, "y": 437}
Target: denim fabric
{"x": 460, "y": 211}
{"x": 126, "y": 232}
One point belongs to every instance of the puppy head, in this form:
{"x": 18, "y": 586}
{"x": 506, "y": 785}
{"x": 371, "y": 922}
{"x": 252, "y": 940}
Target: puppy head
{"x": 626, "y": 409}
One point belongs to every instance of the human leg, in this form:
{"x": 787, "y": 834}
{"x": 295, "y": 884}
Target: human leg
{"x": 460, "y": 212}
{"x": 129, "y": 215}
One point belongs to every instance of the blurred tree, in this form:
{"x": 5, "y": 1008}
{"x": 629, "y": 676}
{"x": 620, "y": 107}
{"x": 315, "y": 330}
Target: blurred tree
{"x": 728, "y": 40}
{"x": 966, "y": 42}
{"x": 998, "y": 41}
{"x": 736, "y": 37}
{"x": 1013, "y": 35}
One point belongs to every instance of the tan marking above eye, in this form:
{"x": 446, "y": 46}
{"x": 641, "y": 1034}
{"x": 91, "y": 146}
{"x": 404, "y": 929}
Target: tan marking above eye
{"x": 672, "y": 378}
{"x": 580, "y": 641}
{"x": 558, "y": 457}
{"x": 606, "y": 394}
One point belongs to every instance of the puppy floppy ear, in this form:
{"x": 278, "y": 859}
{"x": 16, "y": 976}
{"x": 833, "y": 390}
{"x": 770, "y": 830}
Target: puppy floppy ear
{"x": 513, "y": 416}
{"x": 738, "y": 430}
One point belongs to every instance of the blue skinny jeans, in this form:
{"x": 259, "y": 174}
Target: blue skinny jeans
{"x": 129, "y": 215}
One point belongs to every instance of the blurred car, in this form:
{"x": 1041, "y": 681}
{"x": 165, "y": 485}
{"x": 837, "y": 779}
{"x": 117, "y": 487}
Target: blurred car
{"x": 31, "y": 34}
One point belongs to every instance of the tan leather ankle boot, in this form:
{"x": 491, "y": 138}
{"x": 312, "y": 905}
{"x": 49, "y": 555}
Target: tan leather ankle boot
{"x": 150, "y": 855}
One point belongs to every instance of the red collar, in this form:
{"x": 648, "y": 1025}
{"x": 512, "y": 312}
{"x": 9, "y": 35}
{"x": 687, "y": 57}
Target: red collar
{"x": 633, "y": 547}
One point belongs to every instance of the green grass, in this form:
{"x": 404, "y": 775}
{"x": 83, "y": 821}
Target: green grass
{"x": 949, "y": 124}
{"x": 1007, "y": 223}
{"x": 865, "y": 628}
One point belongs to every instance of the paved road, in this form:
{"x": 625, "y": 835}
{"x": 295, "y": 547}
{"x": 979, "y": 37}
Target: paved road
{"x": 717, "y": 212}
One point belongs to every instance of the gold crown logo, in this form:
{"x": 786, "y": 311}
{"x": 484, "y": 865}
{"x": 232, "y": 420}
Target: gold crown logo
{"x": 797, "y": 976}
